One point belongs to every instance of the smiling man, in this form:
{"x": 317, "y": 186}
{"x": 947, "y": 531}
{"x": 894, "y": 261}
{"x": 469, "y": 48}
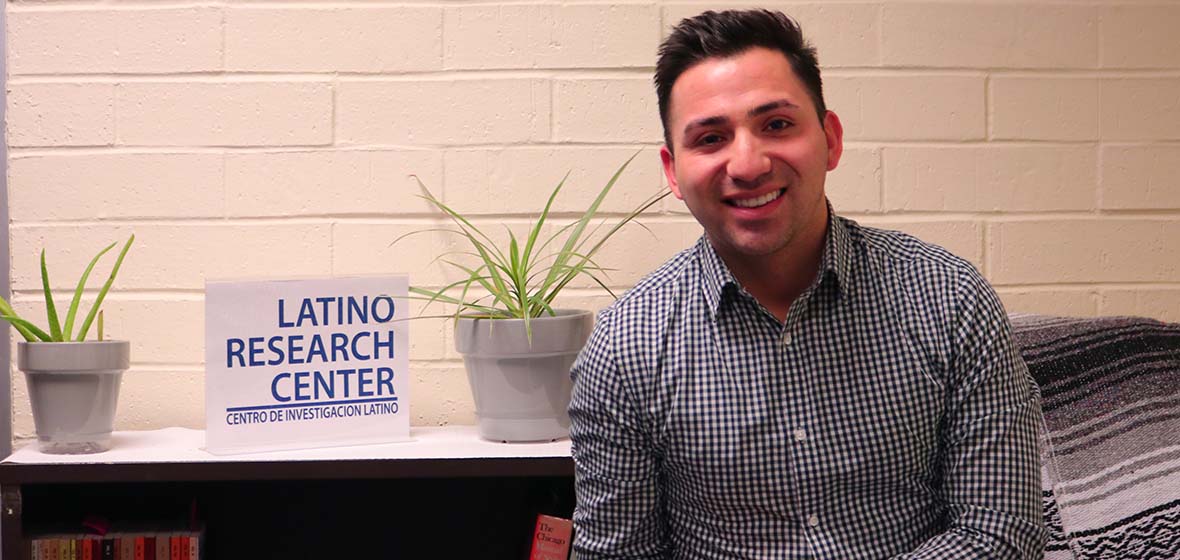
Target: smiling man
{"x": 795, "y": 385}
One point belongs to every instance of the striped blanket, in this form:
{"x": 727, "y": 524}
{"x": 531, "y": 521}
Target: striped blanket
{"x": 1110, "y": 390}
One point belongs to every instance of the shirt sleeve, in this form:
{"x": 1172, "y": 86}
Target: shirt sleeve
{"x": 991, "y": 475}
{"x": 618, "y": 495}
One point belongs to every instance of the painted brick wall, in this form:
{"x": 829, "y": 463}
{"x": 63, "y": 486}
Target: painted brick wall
{"x": 1040, "y": 140}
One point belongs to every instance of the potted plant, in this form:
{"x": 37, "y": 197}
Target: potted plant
{"x": 73, "y": 383}
{"x": 517, "y": 348}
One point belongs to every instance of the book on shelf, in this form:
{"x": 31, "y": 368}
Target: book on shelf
{"x": 142, "y": 545}
{"x": 552, "y": 538}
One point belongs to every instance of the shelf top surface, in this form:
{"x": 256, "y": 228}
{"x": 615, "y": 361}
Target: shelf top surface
{"x": 148, "y": 452}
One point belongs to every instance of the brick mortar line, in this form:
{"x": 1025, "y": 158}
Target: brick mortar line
{"x": 182, "y": 296}
{"x": 884, "y": 217}
{"x": 223, "y": 77}
{"x": 33, "y": 6}
{"x": 23, "y": 152}
{"x": 195, "y": 295}
{"x": 555, "y": 73}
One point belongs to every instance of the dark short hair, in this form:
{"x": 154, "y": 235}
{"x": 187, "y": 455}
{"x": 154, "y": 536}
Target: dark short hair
{"x": 732, "y": 32}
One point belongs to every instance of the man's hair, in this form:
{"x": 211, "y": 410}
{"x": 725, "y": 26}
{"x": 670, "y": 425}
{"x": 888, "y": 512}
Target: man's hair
{"x": 732, "y": 32}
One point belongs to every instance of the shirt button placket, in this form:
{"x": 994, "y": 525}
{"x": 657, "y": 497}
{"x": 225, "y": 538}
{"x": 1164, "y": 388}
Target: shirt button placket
{"x": 786, "y": 338}
{"x": 813, "y": 520}
{"x": 800, "y": 434}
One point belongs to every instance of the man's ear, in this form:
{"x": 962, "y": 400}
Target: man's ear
{"x": 834, "y": 133}
{"x": 669, "y": 170}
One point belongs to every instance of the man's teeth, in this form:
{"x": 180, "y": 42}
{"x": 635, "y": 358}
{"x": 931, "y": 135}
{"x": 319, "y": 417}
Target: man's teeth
{"x": 756, "y": 202}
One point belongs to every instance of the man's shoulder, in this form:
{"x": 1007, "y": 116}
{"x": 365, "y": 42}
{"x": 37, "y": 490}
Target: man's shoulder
{"x": 661, "y": 288}
{"x": 908, "y": 256}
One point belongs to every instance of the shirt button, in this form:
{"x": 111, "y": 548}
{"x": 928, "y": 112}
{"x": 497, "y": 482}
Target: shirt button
{"x": 800, "y": 434}
{"x": 813, "y": 520}
{"x": 787, "y": 339}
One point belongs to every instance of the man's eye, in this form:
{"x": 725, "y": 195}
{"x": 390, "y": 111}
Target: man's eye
{"x": 778, "y": 124}
{"x": 709, "y": 139}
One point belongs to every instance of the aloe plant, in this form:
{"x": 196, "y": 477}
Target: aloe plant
{"x": 521, "y": 282}
{"x": 57, "y": 331}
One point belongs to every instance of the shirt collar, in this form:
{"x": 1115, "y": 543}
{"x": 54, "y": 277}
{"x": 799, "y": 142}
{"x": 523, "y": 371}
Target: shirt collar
{"x": 836, "y": 264}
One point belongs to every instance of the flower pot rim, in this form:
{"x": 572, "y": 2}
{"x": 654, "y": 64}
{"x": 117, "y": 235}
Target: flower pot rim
{"x": 561, "y": 314}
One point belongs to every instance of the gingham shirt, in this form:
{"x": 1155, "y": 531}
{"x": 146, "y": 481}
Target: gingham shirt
{"x": 889, "y": 416}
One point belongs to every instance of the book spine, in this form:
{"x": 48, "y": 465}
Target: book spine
{"x": 108, "y": 548}
{"x": 139, "y": 547}
{"x": 162, "y": 547}
{"x": 194, "y": 547}
{"x": 174, "y": 547}
{"x": 127, "y": 550}
{"x": 149, "y": 547}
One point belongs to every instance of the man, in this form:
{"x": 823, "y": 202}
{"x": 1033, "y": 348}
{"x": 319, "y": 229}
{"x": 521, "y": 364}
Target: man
{"x": 796, "y": 385}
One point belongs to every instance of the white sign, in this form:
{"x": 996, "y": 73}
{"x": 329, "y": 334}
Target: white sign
{"x": 293, "y": 364}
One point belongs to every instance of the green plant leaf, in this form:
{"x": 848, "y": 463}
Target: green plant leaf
{"x": 103, "y": 292}
{"x": 21, "y": 323}
{"x": 73, "y": 311}
{"x": 522, "y": 280}
{"x": 50, "y": 308}
{"x": 7, "y": 312}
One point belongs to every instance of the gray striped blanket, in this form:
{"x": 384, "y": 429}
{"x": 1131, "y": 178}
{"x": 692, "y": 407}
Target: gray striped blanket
{"x": 1110, "y": 389}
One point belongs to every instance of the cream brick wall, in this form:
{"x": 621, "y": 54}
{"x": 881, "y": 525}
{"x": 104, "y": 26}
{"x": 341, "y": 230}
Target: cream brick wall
{"x": 1040, "y": 140}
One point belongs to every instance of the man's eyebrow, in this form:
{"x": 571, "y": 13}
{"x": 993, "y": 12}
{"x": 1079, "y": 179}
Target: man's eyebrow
{"x": 767, "y": 107}
{"x": 707, "y": 121}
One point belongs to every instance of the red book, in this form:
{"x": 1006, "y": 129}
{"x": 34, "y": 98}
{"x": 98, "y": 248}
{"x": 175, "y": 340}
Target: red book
{"x": 139, "y": 547}
{"x": 149, "y": 547}
{"x": 174, "y": 547}
{"x": 86, "y": 550}
{"x": 551, "y": 539}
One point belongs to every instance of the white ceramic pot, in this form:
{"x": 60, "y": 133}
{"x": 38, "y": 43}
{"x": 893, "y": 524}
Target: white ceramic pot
{"x": 74, "y": 391}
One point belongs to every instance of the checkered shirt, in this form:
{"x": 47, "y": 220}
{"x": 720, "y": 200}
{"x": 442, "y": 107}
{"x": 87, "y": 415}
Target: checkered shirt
{"x": 890, "y": 416}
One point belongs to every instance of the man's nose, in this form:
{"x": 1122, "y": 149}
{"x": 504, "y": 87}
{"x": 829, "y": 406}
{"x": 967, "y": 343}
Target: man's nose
{"x": 748, "y": 161}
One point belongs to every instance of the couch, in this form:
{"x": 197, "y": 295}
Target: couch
{"x": 1110, "y": 390}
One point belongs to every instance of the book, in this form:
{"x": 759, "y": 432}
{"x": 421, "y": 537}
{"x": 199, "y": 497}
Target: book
{"x": 162, "y": 552}
{"x": 552, "y": 538}
{"x": 127, "y": 547}
{"x": 108, "y": 548}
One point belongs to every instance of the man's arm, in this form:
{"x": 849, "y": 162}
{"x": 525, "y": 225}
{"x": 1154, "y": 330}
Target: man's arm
{"x": 991, "y": 476}
{"x": 618, "y": 501}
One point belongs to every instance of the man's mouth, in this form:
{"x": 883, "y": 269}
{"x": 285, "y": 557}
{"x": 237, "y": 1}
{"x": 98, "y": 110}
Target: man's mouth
{"x": 758, "y": 201}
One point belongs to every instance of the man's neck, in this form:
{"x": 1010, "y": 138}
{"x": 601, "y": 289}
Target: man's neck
{"x": 777, "y": 280}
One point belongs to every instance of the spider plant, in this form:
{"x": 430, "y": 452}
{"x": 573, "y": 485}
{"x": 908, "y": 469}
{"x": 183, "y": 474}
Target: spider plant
{"x": 522, "y": 280}
{"x": 57, "y": 331}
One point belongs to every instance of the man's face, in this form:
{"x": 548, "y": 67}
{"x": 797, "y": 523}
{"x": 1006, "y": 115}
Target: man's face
{"x": 750, "y": 154}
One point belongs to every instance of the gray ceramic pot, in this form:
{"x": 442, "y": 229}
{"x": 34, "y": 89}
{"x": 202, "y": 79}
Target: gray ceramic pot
{"x": 74, "y": 390}
{"x": 522, "y": 389}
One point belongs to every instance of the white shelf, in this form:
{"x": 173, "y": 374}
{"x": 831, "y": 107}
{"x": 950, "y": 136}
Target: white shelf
{"x": 182, "y": 445}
